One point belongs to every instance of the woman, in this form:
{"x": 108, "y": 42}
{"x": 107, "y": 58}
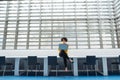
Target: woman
{"x": 63, "y": 52}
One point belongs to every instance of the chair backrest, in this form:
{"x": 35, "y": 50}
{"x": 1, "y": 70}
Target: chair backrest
{"x": 2, "y": 60}
{"x": 32, "y": 60}
{"x": 52, "y": 60}
{"x": 119, "y": 59}
{"x": 91, "y": 60}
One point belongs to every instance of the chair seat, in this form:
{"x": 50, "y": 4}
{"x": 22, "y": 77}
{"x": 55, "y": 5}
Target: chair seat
{"x": 57, "y": 63}
{"x": 9, "y": 64}
{"x": 37, "y": 63}
{"x": 115, "y": 63}
{"x": 85, "y": 63}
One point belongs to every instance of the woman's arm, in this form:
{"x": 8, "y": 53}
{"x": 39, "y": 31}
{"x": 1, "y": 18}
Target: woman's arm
{"x": 66, "y": 51}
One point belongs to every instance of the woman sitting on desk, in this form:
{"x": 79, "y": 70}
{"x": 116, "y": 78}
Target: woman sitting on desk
{"x": 63, "y": 50}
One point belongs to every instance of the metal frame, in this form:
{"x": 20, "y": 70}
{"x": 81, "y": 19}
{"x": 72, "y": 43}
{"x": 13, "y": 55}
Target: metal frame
{"x": 68, "y": 14}
{"x": 117, "y": 20}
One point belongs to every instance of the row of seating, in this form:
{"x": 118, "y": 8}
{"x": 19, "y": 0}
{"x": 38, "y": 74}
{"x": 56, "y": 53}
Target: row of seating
{"x": 52, "y": 61}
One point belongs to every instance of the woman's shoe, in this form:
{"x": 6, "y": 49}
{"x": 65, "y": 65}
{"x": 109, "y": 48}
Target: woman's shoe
{"x": 71, "y": 61}
{"x": 66, "y": 69}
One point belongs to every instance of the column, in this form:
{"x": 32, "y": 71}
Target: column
{"x": 75, "y": 64}
{"x": 45, "y": 67}
{"x": 105, "y": 68}
{"x": 16, "y": 70}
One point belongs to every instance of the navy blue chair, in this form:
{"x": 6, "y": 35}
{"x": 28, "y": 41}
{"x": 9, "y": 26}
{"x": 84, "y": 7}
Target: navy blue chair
{"x": 117, "y": 62}
{"x": 32, "y": 61}
{"x": 90, "y": 61}
{"x": 52, "y": 61}
{"x": 4, "y": 64}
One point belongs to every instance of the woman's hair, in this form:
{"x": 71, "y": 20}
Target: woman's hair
{"x": 64, "y": 38}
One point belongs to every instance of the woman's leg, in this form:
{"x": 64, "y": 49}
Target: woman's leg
{"x": 65, "y": 63}
{"x": 67, "y": 57}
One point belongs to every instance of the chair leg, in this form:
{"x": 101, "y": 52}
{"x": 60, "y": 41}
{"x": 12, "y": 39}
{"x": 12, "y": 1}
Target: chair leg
{"x": 87, "y": 70}
{"x": 27, "y": 69}
{"x": 4, "y": 70}
{"x": 36, "y": 71}
{"x": 11, "y": 67}
{"x": 91, "y": 68}
{"x": 31, "y": 68}
{"x": 56, "y": 70}
{"x": 39, "y": 68}
{"x": 49, "y": 69}
{"x": 96, "y": 70}
{"x": 112, "y": 68}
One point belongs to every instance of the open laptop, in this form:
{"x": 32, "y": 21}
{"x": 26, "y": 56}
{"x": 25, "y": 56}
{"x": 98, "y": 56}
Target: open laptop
{"x": 63, "y": 46}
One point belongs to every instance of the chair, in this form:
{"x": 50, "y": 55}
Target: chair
{"x": 52, "y": 61}
{"x": 115, "y": 63}
{"x": 32, "y": 61}
{"x": 4, "y": 64}
{"x": 90, "y": 61}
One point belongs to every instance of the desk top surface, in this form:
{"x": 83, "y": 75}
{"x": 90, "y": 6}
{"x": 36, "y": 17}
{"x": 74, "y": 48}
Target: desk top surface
{"x": 72, "y": 53}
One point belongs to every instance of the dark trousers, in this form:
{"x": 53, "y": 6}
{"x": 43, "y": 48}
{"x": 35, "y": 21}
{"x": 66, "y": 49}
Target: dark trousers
{"x": 65, "y": 58}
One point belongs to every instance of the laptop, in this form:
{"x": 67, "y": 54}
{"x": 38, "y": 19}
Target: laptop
{"x": 63, "y": 46}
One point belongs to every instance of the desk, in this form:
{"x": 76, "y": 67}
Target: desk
{"x": 75, "y": 54}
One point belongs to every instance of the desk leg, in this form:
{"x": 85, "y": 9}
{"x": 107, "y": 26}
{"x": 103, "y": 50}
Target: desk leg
{"x": 75, "y": 64}
{"x": 16, "y": 70}
{"x": 96, "y": 67}
{"x": 105, "y": 68}
{"x": 45, "y": 66}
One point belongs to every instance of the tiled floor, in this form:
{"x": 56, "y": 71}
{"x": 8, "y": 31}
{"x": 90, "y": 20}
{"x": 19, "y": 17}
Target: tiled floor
{"x": 61, "y": 78}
